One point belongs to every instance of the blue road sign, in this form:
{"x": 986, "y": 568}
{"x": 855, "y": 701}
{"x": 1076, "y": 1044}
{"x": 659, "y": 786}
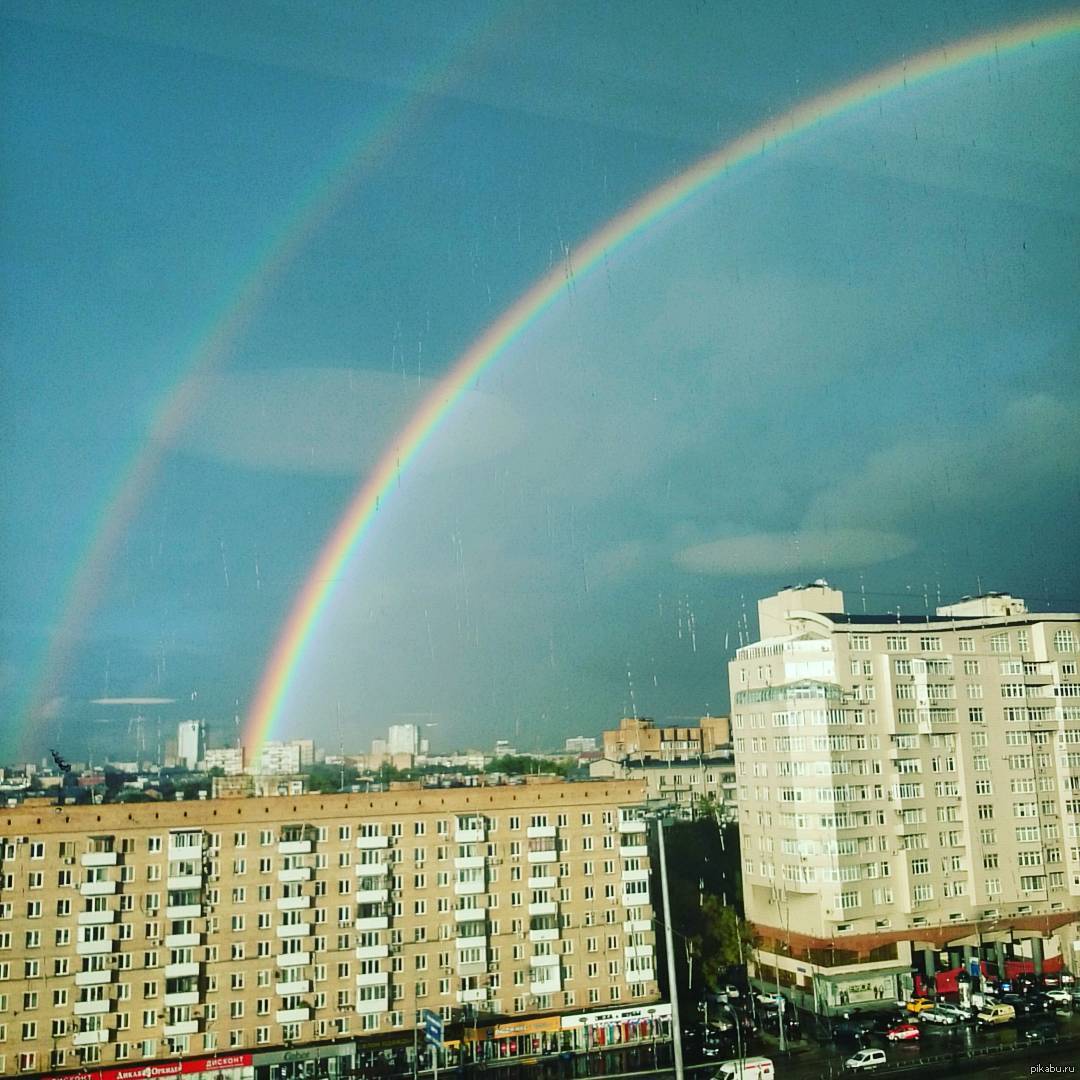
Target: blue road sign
{"x": 433, "y": 1028}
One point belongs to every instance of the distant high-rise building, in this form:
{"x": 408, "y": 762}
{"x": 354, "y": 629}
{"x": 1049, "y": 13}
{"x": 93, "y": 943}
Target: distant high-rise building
{"x": 403, "y": 739}
{"x": 580, "y": 744}
{"x": 307, "y": 751}
{"x": 909, "y": 792}
{"x": 190, "y": 743}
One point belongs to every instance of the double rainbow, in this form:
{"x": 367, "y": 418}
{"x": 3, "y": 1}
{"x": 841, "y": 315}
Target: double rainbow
{"x": 313, "y": 599}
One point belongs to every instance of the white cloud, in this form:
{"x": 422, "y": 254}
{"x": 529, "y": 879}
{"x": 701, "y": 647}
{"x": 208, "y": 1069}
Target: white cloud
{"x": 336, "y": 422}
{"x": 772, "y": 552}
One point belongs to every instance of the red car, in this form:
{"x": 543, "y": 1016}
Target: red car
{"x": 902, "y": 1031}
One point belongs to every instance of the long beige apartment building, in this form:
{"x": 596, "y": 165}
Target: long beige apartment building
{"x": 908, "y": 792}
{"x": 225, "y": 932}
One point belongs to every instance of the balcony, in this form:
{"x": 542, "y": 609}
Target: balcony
{"x": 92, "y": 948}
{"x": 470, "y": 836}
{"x": 543, "y": 882}
{"x": 374, "y": 869}
{"x": 292, "y": 1016}
{"x": 98, "y": 888}
{"x": 99, "y": 858}
{"x": 92, "y": 1008}
{"x": 632, "y": 951}
{"x": 298, "y": 873}
{"x": 633, "y": 851}
{"x": 293, "y": 930}
{"x": 370, "y": 843}
{"x": 371, "y": 896}
{"x": 96, "y": 918}
{"x": 543, "y": 856}
{"x": 176, "y": 854}
{"x": 372, "y": 952}
{"x": 372, "y": 1005}
{"x": 552, "y": 986}
{"x": 293, "y": 959}
{"x": 296, "y": 986}
{"x": 537, "y": 832}
{"x": 184, "y": 911}
{"x": 93, "y": 978}
{"x": 294, "y": 847}
{"x": 634, "y": 875}
{"x": 372, "y": 922}
{"x": 182, "y": 941}
{"x": 469, "y": 862}
{"x": 373, "y": 978}
{"x": 466, "y": 996}
{"x": 469, "y": 888}
{"x": 472, "y": 943}
{"x": 91, "y": 1038}
{"x": 633, "y": 926}
{"x": 632, "y": 826}
{"x": 182, "y": 1027}
{"x": 550, "y": 934}
{"x": 186, "y": 970}
{"x": 293, "y": 903}
{"x": 470, "y": 915}
{"x": 187, "y": 997}
{"x": 548, "y": 908}
{"x": 184, "y": 882}
{"x": 543, "y": 962}
{"x": 641, "y": 975}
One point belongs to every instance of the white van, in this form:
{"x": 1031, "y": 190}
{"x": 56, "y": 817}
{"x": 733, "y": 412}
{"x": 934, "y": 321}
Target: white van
{"x": 870, "y": 1058}
{"x": 751, "y": 1068}
{"x": 997, "y": 1014}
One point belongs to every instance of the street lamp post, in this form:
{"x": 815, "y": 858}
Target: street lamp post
{"x": 676, "y": 1029}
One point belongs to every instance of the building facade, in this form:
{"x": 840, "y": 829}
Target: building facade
{"x": 234, "y": 929}
{"x": 909, "y": 791}
{"x": 190, "y": 743}
{"x": 691, "y": 768}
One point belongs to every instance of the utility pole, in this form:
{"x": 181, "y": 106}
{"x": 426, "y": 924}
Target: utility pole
{"x": 676, "y": 1027}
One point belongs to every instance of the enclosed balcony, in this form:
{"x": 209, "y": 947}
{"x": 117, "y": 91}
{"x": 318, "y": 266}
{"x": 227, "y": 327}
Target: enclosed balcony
{"x": 633, "y": 826}
{"x": 98, "y": 888}
{"x": 99, "y": 858}
{"x": 534, "y": 832}
{"x": 96, "y": 918}
{"x": 371, "y": 843}
{"x": 466, "y": 997}
{"x": 92, "y": 1008}
{"x": 546, "y": 855}
{"x": 91, "y": 1038}
{"x": 297, "y": 873}
{"x": 184, "y": 881}
{"x": 94, "y": 978}
{"x": 470, "y": 888}
{"x": 182, "y": 941}
{"x": 181, "y": 1027}
{"x": 292, "y": 960}
{"x": 542, "y": 882}
{"x": 549, "y": 907}
{"x": 295, "y": 847}
{"x": 373, "y": 978}
{"x": 634, "y": 875}
{"x": 186, "y": 997}
{"x": 293, "y": 930}
{"x": 293, "y": 986}
{"x": 292, "y": 1016}
{"x": 469, "y": 862}
{"x": 462, "y": 915}
{"x": 470, "y": 830}
{"x": 92, "y": 948}
{"x": 183, "y": 911}
{"x": 293, "y": 903}
{"x": 633, "y": 851}
{"x": 633, "y": 926}
{"x": 372, "y": 869}
{"x": 371, "y": 896}
{"x": 372, "y": 952}
{"x": 187, "y": 969}
{"x": 372, "y": 1005}
{"x": 372, "y": 922}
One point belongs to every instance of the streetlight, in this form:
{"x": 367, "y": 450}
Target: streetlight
{"x": 676, "y": 1027}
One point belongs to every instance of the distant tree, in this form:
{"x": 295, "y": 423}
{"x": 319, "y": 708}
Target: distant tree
{"x": 330, "y": 778}
{"x": 520, "y": 765}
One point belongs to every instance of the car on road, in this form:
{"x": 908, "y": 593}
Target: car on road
{"x": 1059, "y": 997}
{"x": 936, "y": 1016}
{"x": 917, "y": 1005}
{"x": 957, "y": 1012}
{"x": 870, "y": 1058}
{"x": 751, "y": 1068}
{"x": 902, "y": 1032}
{"x": 997, "y": 1013}
{"x": 770, "y": 1001}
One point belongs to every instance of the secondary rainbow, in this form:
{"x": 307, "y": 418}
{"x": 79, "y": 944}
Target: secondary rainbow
{"x": 312, "y": 600}
{"x": 354, "y": 159}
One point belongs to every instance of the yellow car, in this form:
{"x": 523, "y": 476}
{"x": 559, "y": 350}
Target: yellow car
{"x": 918, "y": 1005}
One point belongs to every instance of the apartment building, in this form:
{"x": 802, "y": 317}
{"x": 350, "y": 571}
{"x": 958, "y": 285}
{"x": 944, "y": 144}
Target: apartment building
{"x": 687, "y": 767}
{"x": 909, "y": 791}
{"x": 229, "y": 932}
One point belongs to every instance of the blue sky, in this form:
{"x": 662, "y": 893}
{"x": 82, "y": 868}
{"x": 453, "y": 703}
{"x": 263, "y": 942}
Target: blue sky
{"x": 854, "y": 358}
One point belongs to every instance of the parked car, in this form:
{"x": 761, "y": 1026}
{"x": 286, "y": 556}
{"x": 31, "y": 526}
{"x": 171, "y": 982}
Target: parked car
{"x": 1059, "y": 997}
{"x": 770, "y": 1001}
{"x": 731, "y": 992}
{"x": 936, "y": 1015}
{"x": 902, "y": 1032}
{"x": 957, "y": 1012}
{"x": 917, "y": 1005}
{"x": 870, "y": 1058}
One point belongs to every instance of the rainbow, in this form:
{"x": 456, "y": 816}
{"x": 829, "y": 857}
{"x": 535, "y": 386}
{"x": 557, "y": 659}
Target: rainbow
{"x": 312, "y": 600}
{"x": 357, "y": 157}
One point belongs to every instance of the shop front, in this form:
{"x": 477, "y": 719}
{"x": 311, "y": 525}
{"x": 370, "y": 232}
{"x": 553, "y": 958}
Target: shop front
{"x": 326, "y": 1061}
{"x": 219, "y": 1067}
{"x": 617, "y": 1027}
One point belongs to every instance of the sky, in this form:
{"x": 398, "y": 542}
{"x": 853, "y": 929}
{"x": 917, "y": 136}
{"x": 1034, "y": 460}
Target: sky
{"x": 240, "y": 245}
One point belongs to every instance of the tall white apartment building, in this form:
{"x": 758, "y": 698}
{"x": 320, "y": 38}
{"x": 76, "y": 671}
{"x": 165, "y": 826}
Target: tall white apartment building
{"x": 403, "y": 739}
{"x": 190, "y": 743}
{"x": 908, "y": 791}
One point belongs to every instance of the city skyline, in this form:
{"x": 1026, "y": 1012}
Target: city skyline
{"x": 843, "y": 361}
